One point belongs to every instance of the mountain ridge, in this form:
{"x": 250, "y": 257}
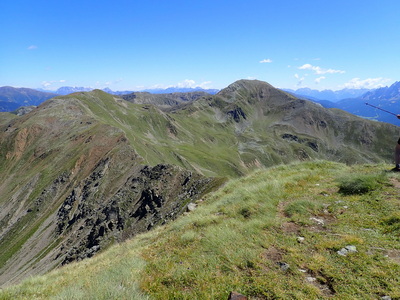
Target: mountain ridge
{"x": 329, "y": 95}
{"x": 89, "y": 169}
{"x": 387, "y": 98}
{"x": 23, "y": 96}
{"x": 65, "y": 90}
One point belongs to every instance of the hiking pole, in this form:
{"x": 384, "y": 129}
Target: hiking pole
{"x": 381, "y": 109}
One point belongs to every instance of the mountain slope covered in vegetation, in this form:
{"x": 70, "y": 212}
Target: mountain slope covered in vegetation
{"x": 84, "y": 171}
{"x": 311, "y": 230}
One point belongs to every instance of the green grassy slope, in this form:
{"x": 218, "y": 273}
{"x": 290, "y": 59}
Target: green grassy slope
{"x": 274, "y": 234}
{"x": 247, "y": 125}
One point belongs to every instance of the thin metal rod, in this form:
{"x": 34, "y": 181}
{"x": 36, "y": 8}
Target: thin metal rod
{"x": 382, "y": 109}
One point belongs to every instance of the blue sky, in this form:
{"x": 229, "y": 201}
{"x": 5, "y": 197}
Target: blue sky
{"x": 132, "y": 45}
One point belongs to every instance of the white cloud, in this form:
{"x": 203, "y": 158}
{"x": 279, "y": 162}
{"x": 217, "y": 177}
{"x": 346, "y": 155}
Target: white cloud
{"x": 189, "y": 83}
{"x": 369, "y": 83}
{"x": 265, "y": 61}
{"x": 319, "y": 70}
{"x": 318, "y": 80}
{"x": 108, "y": 83}
{"x": 32, "y": 47}
{"x": 299, "y": 79}
{"x": 46, "y": 84}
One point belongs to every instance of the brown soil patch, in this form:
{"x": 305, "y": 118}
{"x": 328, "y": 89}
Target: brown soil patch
{"x": 291, "y": 227}
{"x": 273, "y": 254}
{"x": 395, "y": 182}
{"x": 394, "y": 255}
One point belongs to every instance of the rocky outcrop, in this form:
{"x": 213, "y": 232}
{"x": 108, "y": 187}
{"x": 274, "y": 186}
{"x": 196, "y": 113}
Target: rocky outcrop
{"x": 73, "y": 218}
{"x": 152, "y": 196}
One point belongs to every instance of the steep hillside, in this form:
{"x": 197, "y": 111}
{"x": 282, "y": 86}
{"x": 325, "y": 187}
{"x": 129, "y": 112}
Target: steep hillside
{"x": 88, "y": 169}
{"x": 314, "y": 230}
{"x": 71, "y": 185}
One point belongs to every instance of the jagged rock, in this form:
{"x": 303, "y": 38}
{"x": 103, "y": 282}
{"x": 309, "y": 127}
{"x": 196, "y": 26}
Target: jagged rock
{"x": 386, "y": 298}
{"x": 236, "y": 296}
{"x": 237, "y": 114}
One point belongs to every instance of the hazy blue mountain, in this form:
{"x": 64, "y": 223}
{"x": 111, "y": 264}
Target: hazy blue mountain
{"x": 110, "y": 91}
{"x": 391, "y": 93}
{"x": 8, "y": 106}
{"x": 329, "y": 95}
{"x": 17, "y": 97}
{"x": 65, "y": 90}
{"x": 387, "y": 98}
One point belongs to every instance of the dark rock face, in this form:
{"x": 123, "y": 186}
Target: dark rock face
{"x": 237, "y": 114}
{"x": 152, "y": 196}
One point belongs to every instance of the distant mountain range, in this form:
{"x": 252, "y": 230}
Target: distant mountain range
{"x": 350, "y": 100}
{"x": 386, "y": 98}
{"x": 181, "y": 90}
{"x": 329, "y": 95}
{"x": 65, "y": 90}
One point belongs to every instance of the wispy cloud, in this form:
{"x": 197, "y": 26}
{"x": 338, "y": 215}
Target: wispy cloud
{"x": 369, "y": 83}
{"x": 319, "y": 70}
{"x": 318, "y": 80}
{"x": 108, "y": 83}
{"x": 266, "y": 61}
{"x": 46, "y": 84}
{"x": 299, "y": 79}
{"x": 189, "y": 83}
{"x": 32, "y": 47}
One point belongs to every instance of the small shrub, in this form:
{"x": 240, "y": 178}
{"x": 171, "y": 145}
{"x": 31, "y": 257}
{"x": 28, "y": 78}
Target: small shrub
{"x": 360, "y": 183}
